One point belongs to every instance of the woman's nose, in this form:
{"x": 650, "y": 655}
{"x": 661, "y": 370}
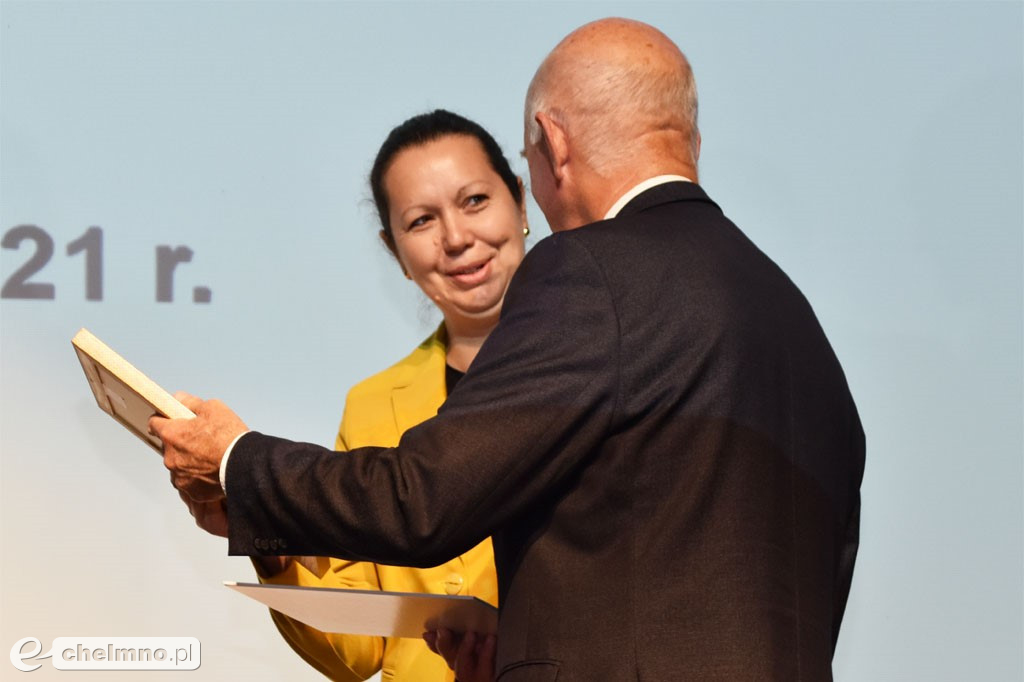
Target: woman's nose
{"x": 456, "y": 235}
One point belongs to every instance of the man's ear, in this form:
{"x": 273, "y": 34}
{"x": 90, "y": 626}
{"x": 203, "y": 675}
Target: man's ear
{"x": 554, "y": 144}
{"x": 389, "y": 243}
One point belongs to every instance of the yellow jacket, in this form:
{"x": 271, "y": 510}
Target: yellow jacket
{"x": 377, "y": 412}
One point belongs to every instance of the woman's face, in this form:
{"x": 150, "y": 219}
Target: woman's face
{"x": 458, "y": 233}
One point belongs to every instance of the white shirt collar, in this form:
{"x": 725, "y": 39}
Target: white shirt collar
{"x": 642, "y": 187}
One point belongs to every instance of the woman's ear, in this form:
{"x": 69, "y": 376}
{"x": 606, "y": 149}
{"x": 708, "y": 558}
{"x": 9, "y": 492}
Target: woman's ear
{"x": 522, "y": 206}
{"x": 389, "y": 243}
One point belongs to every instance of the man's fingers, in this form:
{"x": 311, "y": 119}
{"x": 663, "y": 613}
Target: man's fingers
{"x": 487, "y": 654}
{"x": 188, "y": 400}
{"x": 186, "y": 499}
{"x": 465, "y": 658}
{"x": 198, "y": 488}
{"x": 447, "y": 646}
{"x": 487, "y": 647}
{"x": 430, "y": 637}
{"x": 156, "y": 424}
{"x": 468, "y": 644}
{"x": 470, "y": 655}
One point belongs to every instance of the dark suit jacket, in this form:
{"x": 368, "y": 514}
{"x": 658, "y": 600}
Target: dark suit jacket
{"x": 659, "y": 438}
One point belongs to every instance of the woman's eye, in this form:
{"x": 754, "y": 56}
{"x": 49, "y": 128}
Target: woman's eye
{"x": 419, "y": 222}
{"x": 476, "y": 200}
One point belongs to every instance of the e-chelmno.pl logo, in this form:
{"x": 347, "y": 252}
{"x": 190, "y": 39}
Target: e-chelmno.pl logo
{"x": 109, "y": 653}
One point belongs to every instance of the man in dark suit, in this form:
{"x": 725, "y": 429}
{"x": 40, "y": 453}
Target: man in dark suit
{"x": 658, "y": 434}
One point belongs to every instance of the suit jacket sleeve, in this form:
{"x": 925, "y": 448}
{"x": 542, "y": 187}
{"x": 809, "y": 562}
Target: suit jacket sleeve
{"x": 539, "y": 398}
{"x": 344, "y": 658}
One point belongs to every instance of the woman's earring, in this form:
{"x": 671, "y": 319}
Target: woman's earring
{"x": 526, "y": 231}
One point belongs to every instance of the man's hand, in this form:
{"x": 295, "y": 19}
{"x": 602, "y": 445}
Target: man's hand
{"x": 210, "y": 516}
{"x": 470, "y": 655}
{"x": 193, "y": 448}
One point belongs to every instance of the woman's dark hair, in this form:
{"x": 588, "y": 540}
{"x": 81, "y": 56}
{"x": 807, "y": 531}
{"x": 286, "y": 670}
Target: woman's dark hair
{"x": 429, "y": 127}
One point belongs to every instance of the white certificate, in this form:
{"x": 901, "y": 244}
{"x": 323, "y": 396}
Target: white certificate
{"x": 375, "y": 612}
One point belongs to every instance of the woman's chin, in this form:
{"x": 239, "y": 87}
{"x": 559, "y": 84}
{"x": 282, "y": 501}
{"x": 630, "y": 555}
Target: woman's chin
{"x": 475, "y": 311}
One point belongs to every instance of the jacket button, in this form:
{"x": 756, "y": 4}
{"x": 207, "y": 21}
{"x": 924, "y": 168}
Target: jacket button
{"x": 453, "y": 583}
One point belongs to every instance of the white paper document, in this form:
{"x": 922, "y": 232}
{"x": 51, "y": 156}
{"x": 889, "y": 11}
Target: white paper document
{"x": 374, "y": 612}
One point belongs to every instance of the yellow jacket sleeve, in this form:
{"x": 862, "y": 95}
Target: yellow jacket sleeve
{"x": 346, "y": 658}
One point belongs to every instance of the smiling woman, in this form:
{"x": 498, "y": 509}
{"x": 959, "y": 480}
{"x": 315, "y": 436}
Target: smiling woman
{"x": 457, "y": 232}
{"x": 453, "y": 214}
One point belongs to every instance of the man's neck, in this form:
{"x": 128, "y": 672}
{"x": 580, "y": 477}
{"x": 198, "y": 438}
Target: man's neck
{"x": 638, "y": 189}
{"x": 606, "y": 192}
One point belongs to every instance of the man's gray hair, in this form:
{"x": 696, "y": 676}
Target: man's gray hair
{"x": 607, "y": 106}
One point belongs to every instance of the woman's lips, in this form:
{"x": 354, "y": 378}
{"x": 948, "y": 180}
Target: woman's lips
{"x": 472, "y": 274}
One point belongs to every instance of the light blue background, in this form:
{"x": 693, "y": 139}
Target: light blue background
{"x": 873, "y": 149}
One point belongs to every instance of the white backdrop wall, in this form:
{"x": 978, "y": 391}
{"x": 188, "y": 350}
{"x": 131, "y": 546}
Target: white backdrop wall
{"x": 873, "y": 149}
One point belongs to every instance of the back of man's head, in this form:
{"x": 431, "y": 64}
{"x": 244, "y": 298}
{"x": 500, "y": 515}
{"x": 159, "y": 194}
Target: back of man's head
{"x": 625, "y": 96}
